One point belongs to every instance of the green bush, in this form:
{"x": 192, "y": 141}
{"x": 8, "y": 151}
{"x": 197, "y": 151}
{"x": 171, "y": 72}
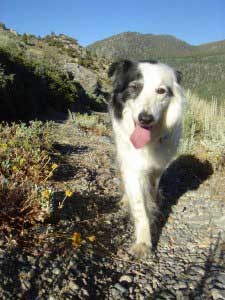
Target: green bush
{"x": 28, "y": 88}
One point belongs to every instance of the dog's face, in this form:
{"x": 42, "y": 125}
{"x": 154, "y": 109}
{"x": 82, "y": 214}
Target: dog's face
{"x": 143, "y": 88}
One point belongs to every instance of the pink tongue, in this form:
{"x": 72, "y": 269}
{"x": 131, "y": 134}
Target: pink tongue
{"x": 140, "y": 136}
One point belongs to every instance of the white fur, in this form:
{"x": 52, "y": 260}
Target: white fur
{"x": 142, "y": 168}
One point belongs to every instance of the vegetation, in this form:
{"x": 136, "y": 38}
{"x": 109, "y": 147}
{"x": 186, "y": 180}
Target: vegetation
{"x": 203, "y": 130}
{"x": 32, "y": 77}
{"x": 202, "y": 66}
{"x": 28, "y": 88}
{"x": 202, "y": 74}
{"x": 25, "y": 167}
{"x": 90, "y": 123}
{"x": 140, "y": 46}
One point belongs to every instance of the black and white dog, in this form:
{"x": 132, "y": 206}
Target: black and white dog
{"x": 146, "y": 109}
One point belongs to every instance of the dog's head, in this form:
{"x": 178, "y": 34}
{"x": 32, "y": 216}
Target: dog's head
{"x": 144, "y": 88}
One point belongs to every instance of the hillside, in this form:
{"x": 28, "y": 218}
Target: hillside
{"x": 140, "y": 46}
{"x": 62, "y": 233}
{"x": 54, "y": 73}
{"x": 202, "y": 66}
{"x": 212, "y": 48}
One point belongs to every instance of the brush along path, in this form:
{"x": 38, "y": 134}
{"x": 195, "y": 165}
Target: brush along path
{"x": 81, "y": 252}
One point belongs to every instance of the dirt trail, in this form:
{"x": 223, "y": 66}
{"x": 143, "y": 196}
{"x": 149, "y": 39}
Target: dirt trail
{"x": 189, "y": 262}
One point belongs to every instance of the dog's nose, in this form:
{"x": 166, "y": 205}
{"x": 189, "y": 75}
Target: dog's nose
{"x": 145, "y": 118}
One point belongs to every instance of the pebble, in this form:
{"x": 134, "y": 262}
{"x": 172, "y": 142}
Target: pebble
{"x": 73, "y": 286}
{"x": 180, "y": 285}
{"x": 197, "y": 270}
{"x": 116, "y": 294}
{"x": 56, "y": 271}
{"x": 85, "y": 292}
{"x": 149, "y": 288}
{"x": 218, "y": 294}
{"x": 126, "y": 278}
{"x": 221, "y": 278}
{"x": 219, "y": 222}
{"x": 120, "y": 288}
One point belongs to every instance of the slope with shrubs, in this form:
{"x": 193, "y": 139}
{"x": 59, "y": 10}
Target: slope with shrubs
{"x": 203, "y": 74}
{"x": 33, "y": 77}
{"x": 202, "y": 66}
{"x": 140, "y": 46}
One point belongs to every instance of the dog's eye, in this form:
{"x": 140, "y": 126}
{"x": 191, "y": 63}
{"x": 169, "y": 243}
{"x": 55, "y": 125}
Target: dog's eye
{"x": 160, "y": 91}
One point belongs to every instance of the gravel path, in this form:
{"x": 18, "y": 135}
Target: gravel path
{"x": 189, "y": 262}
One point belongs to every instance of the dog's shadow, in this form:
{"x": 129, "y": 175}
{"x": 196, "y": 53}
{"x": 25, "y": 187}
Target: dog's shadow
{"x": 184, "y": 174}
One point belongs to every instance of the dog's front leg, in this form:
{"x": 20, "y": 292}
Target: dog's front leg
{"x": 138, "y": 189}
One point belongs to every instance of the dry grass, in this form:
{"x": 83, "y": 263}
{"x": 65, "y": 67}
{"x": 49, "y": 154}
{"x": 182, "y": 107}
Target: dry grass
{"x": 204, "y": 130}
{"x": 88, "y": 122}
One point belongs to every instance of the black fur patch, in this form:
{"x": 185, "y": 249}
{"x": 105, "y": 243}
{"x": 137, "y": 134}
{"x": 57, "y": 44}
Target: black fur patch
{"x": 178, "y": 76}
{"x": 150, "y": 61}
{"x": 170, "y": 92}
{"x": 123, "y": 73}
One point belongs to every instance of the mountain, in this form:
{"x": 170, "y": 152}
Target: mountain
{"x": 53, "y": 73}
{"x": 134, "y": 45}
{"x": 202, "y": 66}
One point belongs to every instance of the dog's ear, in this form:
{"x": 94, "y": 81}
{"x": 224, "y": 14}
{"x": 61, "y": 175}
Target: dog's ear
{"x": 179, "y": 76}
{"x": 112, "y": 69}
{"x": 118, "y": 67}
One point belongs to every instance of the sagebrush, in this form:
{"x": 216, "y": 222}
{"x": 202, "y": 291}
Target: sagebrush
{"x": 25, "y": 164}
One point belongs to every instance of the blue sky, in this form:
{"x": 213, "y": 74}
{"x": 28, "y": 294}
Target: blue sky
{"x": 194, "y": 21}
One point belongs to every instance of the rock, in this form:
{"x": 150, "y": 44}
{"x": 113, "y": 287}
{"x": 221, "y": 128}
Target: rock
{"x": 13, "y": 31}
{"x": 73, "y": 286}
{"x": 56, "y": 271}
{"x": 166, "y": 295}
{"x": 199, "y": 221}
{"x": 126, "y": 278}
{"x": 149, "y": 288}
{"x": 85, "y": 292}
{"x": 221, "y": 278}
{"x": 219, "y": 222}
{"x": 116, "y": 294}
{"x": 218, "y": 294}
{"x": 25, "y": 285}
{"x": 180, "y": 285}
{"x": 197, "y": 270}
{"x": 87, "y": 79}
{"x": 120, "y": 288}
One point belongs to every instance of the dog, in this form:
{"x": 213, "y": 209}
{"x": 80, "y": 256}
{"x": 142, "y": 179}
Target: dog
{"x": 146, "y": 108}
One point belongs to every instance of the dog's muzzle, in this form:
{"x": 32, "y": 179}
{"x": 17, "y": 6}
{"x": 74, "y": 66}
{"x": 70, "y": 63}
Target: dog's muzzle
{"x": 145, "y": 119}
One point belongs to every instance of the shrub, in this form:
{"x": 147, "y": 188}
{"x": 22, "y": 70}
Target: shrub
{"x": 89, "y": 123}
{"x": 28, "y": 88}
{"x": 25, "y": 166}
{"x": 84, "y": 121}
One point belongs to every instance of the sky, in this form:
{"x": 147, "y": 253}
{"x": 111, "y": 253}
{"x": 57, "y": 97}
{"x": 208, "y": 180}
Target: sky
{"x": 194, "y": 21}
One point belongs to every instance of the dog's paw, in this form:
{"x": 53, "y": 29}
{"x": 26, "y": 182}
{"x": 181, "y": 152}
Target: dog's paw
{"x": 140, "y": 250}
{"x": 124, "y": 203}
